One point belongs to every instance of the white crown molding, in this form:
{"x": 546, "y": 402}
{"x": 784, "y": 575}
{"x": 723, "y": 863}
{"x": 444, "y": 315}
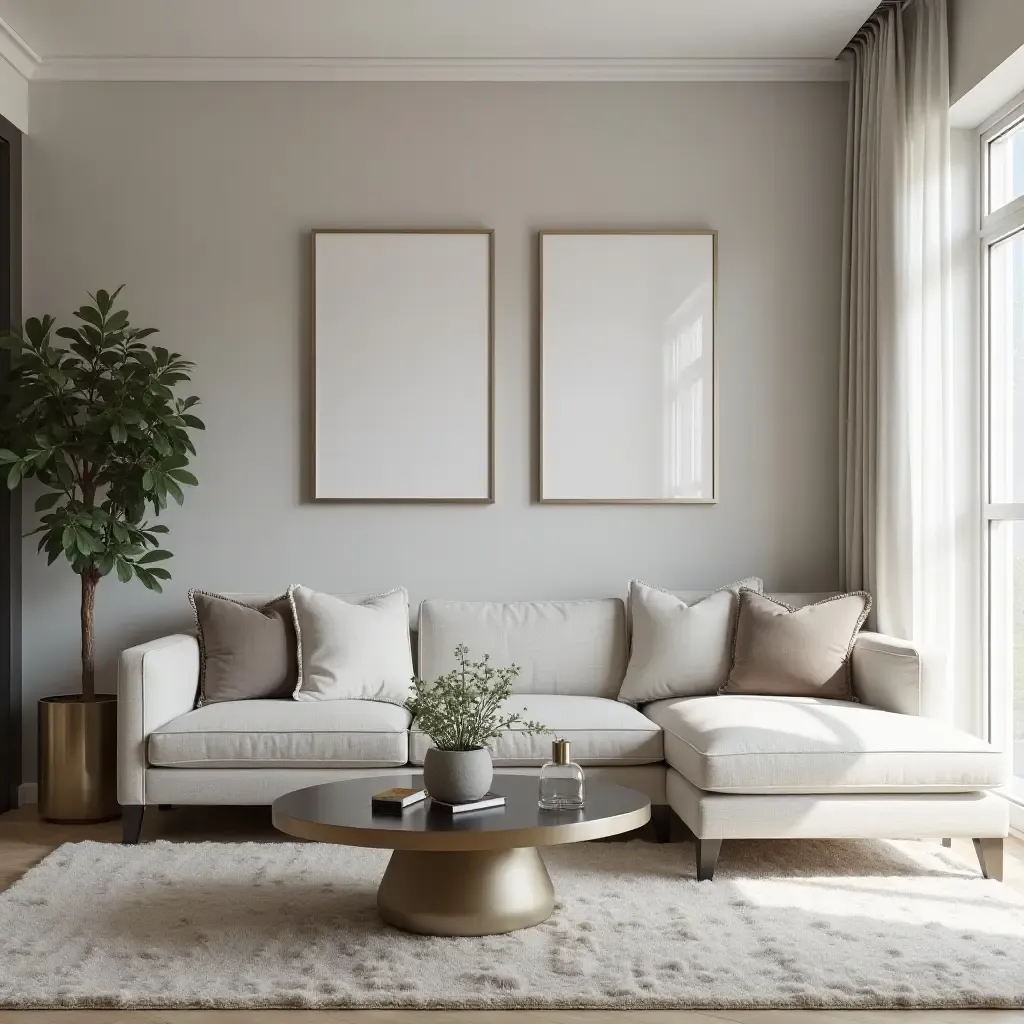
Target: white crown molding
{"x": 17, "y": 52}
{"x": 373, "y": 69}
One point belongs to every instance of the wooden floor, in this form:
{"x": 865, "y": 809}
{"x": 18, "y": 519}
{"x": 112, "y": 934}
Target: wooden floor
{"x": 24, "y": 841}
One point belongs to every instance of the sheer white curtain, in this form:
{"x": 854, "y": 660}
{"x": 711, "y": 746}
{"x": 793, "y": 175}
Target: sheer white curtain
{"x": 897, "y": 425}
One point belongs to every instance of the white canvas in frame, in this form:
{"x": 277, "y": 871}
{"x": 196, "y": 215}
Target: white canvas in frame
{"x": 628, "y": 367}
{"x": 402, "y": 364}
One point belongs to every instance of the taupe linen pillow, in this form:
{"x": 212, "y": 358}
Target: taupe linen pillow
{"x": 782, "y": 651}
{"x": 244, "y": 652}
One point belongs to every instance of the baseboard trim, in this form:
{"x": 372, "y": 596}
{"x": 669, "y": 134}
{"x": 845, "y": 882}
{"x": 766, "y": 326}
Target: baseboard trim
{"x": 27, "y": 794}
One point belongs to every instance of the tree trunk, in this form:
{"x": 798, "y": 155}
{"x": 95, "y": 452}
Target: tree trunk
{"x": 89, "y": 580}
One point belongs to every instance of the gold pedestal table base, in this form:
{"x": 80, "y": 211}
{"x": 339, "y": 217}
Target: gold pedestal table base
{"x": 481, "y": 892}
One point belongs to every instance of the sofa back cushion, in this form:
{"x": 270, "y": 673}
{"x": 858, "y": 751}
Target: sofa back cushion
{"x": 679, "y": 648}
{"x": 561, "y": 647}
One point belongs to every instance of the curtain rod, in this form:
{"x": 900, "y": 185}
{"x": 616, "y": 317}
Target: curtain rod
{"x": 882, "y": 8}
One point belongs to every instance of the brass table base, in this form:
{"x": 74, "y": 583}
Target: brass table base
{"x": 477, "y": 892}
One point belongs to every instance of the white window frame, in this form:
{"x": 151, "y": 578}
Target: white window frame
{"x": 994, "y": 227}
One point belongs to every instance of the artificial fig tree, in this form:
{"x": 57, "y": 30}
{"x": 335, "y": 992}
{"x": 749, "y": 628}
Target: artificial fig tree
{"x": 98, "y": 424}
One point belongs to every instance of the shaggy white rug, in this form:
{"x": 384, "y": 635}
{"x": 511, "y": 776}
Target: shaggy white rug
{"x": 784, "y": 924}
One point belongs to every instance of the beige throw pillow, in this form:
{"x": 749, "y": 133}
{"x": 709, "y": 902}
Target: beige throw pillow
{"x": 352, "y": 651}
{"x": 783, "y": 651}
{"x": 679, "y": 650}
{"x": 244, "y": 652}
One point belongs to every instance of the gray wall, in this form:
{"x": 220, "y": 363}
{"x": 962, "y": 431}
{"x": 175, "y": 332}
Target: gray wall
{"x": 200, "y": 197}
{"x": 982, "y": 34}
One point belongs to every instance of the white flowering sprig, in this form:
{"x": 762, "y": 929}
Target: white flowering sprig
{"x": 461, "y": 710}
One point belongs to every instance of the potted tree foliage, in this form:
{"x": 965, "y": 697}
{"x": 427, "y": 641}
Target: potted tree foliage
{"x": 99, "y": 426}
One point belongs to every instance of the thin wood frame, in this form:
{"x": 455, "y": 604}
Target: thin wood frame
{"x": 488, "y": 499}
{"x": 539, "y": 477}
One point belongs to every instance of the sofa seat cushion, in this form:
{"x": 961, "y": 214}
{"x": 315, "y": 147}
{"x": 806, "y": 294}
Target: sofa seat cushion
{"x": 760, "y": 744}
{"x": 285, "y": 734}
{"x": 602, "y": 732}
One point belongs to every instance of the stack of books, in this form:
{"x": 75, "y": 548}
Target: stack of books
{"x": 394, "y": 801}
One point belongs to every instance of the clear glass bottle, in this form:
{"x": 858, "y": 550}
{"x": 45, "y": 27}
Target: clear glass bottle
{"x": 561, "y": 780}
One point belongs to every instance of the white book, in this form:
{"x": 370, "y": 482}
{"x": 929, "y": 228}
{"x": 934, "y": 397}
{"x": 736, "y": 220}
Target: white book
{"x": 489, "y": 800}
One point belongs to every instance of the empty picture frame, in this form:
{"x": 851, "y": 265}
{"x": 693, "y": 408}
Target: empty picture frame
{"x": 627, "y": 367}
{"x": 403, "y": 354}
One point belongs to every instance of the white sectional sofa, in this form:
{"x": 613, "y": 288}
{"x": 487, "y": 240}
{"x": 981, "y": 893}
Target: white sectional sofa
{"x": 728, "y": 766}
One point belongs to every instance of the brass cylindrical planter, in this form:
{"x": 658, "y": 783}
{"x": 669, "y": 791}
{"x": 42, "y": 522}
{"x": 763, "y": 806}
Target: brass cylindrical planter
{"x": 78, "y": 758}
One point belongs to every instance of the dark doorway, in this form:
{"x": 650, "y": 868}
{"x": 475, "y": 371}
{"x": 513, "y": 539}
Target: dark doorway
{"x": 10, "y": 504}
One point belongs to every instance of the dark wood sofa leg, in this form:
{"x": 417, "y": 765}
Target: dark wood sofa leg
{"x": 990, "y": 857}
{"x": 947, "y": 843}
{"x": 707, "y": 857}
{"x": 661, "y": 819}
{"x": 131, "y": 823}
{"x": 164, "y": 807}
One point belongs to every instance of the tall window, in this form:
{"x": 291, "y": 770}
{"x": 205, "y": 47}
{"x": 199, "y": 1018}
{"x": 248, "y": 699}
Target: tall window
{"x": 1003, "y": 306}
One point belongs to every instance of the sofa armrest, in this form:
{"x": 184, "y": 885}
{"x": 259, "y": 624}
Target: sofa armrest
{"x": 156, "y": 683}
{"x": 895, "y": 675}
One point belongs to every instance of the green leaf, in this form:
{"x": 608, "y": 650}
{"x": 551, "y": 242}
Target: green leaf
{"x": 84, "y": 541}
{"x": 90, "y": 316}
{"x": 183, "y": 476}
{"x": 6, "y": 455}
{"x": 147, "y": 579}
{"x": 174, "y": 490}
{"x": 102, "y": 299}
{"x": 45, "y": 501}
{"x": 145, "y": 332}
{"x": 159, "y": 555}
{"x": 116, "y": 322}
{"x": 159, "y": 573}
{"x": 124, "y": 570}
{"x": 159, "y": 528}
{"x": 64, "y": 474}
{"x": 14, "y": 476}
{"x": 194, "y": 421}
{"x": 117, "y": 433}
{"x": 148, "y": 480}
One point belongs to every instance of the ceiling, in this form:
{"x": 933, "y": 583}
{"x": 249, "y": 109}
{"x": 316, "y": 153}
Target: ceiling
{"x": 81, "y": 38}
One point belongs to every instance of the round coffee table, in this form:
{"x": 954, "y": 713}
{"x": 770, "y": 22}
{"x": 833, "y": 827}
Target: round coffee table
{"x": 475, "y": 873}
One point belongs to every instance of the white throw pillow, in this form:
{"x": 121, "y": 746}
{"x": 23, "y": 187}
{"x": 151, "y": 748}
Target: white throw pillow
{"x": 680, "y": 650}
{"x": 352, "y": 651}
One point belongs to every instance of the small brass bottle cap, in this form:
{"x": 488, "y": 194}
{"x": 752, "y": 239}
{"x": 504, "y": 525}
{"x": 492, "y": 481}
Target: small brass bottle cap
{"x": 561, "y": 751}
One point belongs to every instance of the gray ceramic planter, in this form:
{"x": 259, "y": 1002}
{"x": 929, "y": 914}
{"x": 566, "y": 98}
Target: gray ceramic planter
{"x": 457, "y": 776}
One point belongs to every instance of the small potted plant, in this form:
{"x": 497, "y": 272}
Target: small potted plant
{"x": 461, "y": 712}
{"x": 99, "y": 427}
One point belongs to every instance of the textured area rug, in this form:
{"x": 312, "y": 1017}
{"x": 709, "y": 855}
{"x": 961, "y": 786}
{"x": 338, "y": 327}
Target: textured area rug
{"x": 784, "y": 924}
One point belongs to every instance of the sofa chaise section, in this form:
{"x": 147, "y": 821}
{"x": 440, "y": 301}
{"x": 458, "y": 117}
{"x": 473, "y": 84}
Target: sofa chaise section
{"x": 786, "y": 767}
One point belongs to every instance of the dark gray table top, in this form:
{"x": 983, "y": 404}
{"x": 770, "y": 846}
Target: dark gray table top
{"x": 340, "y": 812}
